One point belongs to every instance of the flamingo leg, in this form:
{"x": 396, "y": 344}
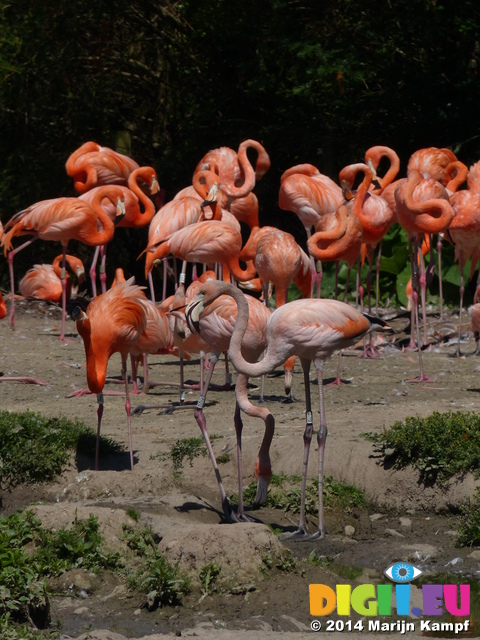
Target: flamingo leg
{"x": 11, "y": 255}
{"x": 377, "y": 279}
{"x": 93, "y": 272}
{"x": 440, "y": 283}
{"x": 462, "y": 291}
{"x": 301, "y": 531}
{"x": 100, "y": 401}
{"x": 321, "y": 439}
{"x": 238, "y": 423}
{"x": 202, "y": 423}
{"x": 338, "y": 381}
{"x": 63, "y": 280}
{"x": 128, "y": 409}
{"x": 415, "y": 280}
{"x": 103, "y": 268}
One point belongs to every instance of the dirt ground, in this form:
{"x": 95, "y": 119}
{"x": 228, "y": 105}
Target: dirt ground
{"x": 405, "y": 522}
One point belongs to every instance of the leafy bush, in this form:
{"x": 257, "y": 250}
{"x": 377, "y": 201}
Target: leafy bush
{"x": 469, "y": 526}
{"x": 439, "y": 446}
{"x": 36, "y": 448}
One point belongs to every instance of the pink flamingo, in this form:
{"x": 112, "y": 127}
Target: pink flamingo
{"x": 422, "y": 207}
{"x": 62, "y": 220}
{"x": 310, "y": 194}
{"x": 216, "y": 324}
{"x": 312, "y": 329}
{"x": 139, "y": 211}
{"x": 113, "y": 322}
{"x": 43, "y": 281}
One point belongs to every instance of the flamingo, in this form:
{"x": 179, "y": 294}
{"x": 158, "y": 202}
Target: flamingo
{"x": 464, "y": 232}
{"x": 215, "y": 326}
{"x": 237, "y": 176}
{"x": 3, "y": 308}
{"x": 422, "y": 207}
{"x": 43, "y": 281}
{"x": 372, "y": 211}
{"x": 139, "y": 211}
{"x": 92, "y": 165}
{"x": 474, "y": 312}
{"x": 386, "y": 188}
{"x": 310, "y": 328}
{"x": 310, "y": 194}
{"x": 62, "y": 219}
{"x": 113, "y": 322}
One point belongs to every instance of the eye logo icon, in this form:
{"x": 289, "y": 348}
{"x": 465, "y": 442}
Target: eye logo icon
{"x": 402, "y": 572}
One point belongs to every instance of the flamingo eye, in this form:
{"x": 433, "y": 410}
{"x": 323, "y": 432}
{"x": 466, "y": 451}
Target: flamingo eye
{"x": 402, "y": 572}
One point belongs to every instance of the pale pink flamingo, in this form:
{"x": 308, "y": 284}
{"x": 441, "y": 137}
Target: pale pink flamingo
{"x": 62, "y": 220}
{"x": 422, "y": 207}
{"x": 310, "y": 194}
{"x": 310, "y": 328}
{"x": 216, "y": 325}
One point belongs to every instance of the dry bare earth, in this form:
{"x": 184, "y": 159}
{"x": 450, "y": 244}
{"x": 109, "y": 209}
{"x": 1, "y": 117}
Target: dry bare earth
{"x": 185, "y": 514}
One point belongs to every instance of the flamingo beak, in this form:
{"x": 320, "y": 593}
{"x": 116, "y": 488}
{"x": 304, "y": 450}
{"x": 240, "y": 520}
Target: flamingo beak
{"x": 193, "y": 312}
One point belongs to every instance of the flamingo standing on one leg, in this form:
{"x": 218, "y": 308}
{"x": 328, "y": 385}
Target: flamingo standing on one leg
{"x": 422, "y": 207}
{"x": 113, "y": 322}
{"x": 312, "y": 329}
{"x": 62, "y": 220}
{"x": 310, "y": 194}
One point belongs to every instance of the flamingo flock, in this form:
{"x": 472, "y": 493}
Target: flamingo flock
{"x": 236, "y": 281}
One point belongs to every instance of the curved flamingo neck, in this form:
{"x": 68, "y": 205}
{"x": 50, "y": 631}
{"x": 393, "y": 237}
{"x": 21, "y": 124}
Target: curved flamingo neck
{"x": 149, "y": 177}
{"x": 375, "y": 155}
{"x": 455, "y": 175}
{"x": 431, "y": 216}
{"x": 247, "y": 170}
{"x": 108, "y": 226}
{"x": 347, "y": 178}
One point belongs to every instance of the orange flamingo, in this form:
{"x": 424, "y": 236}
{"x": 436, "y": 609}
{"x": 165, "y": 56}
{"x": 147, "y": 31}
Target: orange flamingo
{"x": 139, "y": 211}
{"x": 62, "y": 220}
{"x": 3, "y": 308}
{"x": 474, "y": 312}
{"x": 92, "y": 165}
{"x": 43, "y": 281}
{"x": 216, "y": 325}
{"x": 310, "y": 194}
{"x": 422, "y": 207}
{"x": 113, "y": 322}
{"x": 310, "y": 328}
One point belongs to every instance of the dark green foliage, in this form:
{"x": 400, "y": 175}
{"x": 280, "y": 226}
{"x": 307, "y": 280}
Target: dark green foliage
{"x": 35, "y": 448}
{"x": 469, "y": 526}
{"x": 439, "y": 446}
{"x": 156, "y": 577}
{"x": 29, "y": 554}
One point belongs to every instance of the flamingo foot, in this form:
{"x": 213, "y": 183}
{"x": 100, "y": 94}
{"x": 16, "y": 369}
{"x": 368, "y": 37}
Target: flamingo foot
{"x": 23, "y": 380}
{"x": 421, "y": 378}
{"x": 242, "y": 517}
{"x": 318, "y": 535}
{"x": 230, "y": 515}
{"x": 337, "y": 383}
{"x": 299, "y": 534}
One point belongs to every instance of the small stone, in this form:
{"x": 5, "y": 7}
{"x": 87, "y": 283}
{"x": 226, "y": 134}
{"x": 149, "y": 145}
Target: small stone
{"x": 376, "y": 516}
{"x": 349, "y": 530}
{"x": 452, "y": 533}
{"x": 405, "y": 523}
{"x": 475, "y": 555}
{"x": 393, "y": 533}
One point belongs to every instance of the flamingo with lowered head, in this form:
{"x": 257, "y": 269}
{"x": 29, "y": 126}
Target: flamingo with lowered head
{"x": 43, "y": 281}
{"x": 312, "y": 329}
{"x": 112, "y": 323}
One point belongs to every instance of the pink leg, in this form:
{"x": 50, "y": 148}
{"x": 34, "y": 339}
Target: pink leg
{"x": 321, "y": 439}
{"x": 103, "y": 273}
{"x": 11, "y": 255}
{"x": 99, "y": 424}
{"x": 93, "y": 271}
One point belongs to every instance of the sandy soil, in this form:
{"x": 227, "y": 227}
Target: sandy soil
{"x": 186, "y": 514}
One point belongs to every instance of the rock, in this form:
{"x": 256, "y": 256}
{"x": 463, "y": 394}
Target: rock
{"x": 405, "y": 523}
{"x": 393, "y": 533}
{"x": 376, "y": 516}
{"x": 475, "y": 555}
{"x": 418, "y": 552}
{"x": 349, "y": 530}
